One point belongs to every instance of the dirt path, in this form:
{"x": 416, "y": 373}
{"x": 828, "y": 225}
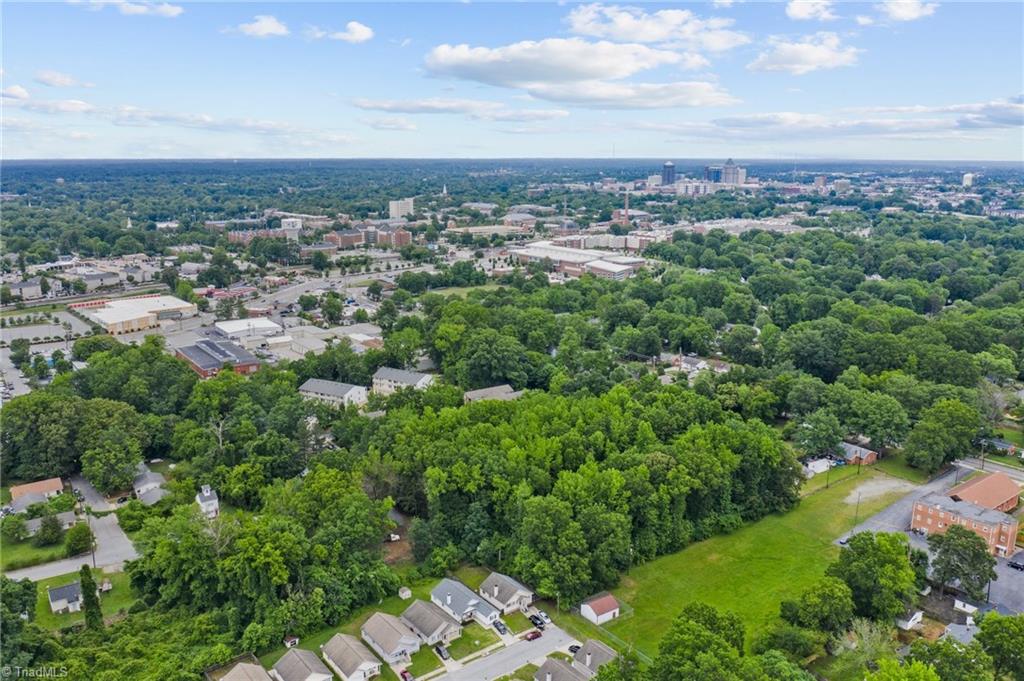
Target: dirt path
{"x": 877, "y": 487}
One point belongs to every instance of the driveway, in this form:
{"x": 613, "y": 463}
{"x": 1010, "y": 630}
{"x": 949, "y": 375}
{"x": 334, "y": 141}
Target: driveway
{"x": 93, "y": 499}
{"x": 508, "y": 659}
{"x": 112, "y": 549}
{"x": 896, "y": 517}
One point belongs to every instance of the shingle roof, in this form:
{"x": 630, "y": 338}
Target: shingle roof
{"x": 989, "y": 491}
{"x": 603, "y": 604}
{"x": 65, "y": 518}
{"x": 387, "y": 631}
{"x": 427, "y": 619}
{"x": 348, "y": 653}
{"x": 297, "y": 664}
{"x": 151, "y": 496}
{"x": 206, "y": 494}
{"x": 66, "y": 592}
{"x": 495, "y": 392}
{"x": 246, "y": 671}
{"x": 852, "y": 451}
{"x": 48, "y": 486}
{"x": 400, "y": 375}
{"x": 25, "y": 500}
{"x": 464, "y": 600}
{"x": 507, "y": 587}
{"x": 559, "y": 670}
{"x": 599, "y": 654}
{"x": 322, "y": 387}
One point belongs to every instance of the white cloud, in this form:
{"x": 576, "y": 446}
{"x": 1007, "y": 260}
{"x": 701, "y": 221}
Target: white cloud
{"x": 155, "y": 9}
{"x": 618, "y": 95}
{"x": 864, "y": 20}
{"x": 810, "y": 9}
{"x": 822, "y": 50}
{"x": 51, "y": 106}
{"x": 999, "y": 113}
{"x": 722, "y": 3}
{"x": 34, "y": 129}
{"x": 15, "y": 92}
{"x": 473, "y": 108}
{"x": 58, "y": 79}
{"x": 396, "y": 123}
{"x": 354, "y": 32}
{"x": 907, "y": 10}
{"x": 631, "y": 24}
{"x": 263, "y": 26}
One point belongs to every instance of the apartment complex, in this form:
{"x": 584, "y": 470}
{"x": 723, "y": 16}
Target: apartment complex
{"x": 980, "y": 505}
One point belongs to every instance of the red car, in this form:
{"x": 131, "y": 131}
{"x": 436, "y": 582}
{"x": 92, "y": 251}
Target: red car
{"x": 406, "y": 676}
{"x": 532, "y": 635}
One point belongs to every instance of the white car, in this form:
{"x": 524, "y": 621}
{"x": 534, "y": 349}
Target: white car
{"x": 544, "y": 616}
{"x": 393, "y": 537}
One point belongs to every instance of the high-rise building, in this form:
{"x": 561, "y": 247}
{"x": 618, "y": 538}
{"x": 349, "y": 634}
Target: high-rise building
{"x": 400, "y": 208}
{"x": 842, "y": 186}
{"x": 819, "y": 182}
{"x": 968, "y": 179}
{"x": 668, "y": 173}
{"x": 712, "y": 173}
{"x": 730, "y": 173}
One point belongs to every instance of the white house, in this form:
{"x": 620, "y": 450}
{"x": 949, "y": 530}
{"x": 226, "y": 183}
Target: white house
{"x": 505, "y": 593}
{"x": 301, "y": 665}
{"x": 462, "y": 603}
{"x": 600, "y": 609}
{"x": 208, "y": 502}
{"x": 393, "y": 640}
{"x": 65, "y": 598}
{"x": 387, "y": 380}
{"x": 350, "y": 659}
{"x": 909, "y": 619}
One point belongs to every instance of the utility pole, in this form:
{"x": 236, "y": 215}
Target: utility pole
{"x": 856, "y": 513}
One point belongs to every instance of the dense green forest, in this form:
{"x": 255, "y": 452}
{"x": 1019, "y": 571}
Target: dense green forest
{"x": 904, "y": 336}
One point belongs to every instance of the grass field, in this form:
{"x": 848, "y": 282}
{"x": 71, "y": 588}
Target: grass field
{"x": 474, "y": 639}
{"x": 23, "y": 554}
{"x": 896, "y": 465}
{"x": 424, "y": 661}
{"x": 120, "y": 598}
{"x": 517, "y": 622}
{"x": 748, "y": 572}
{"x": 827, "y": 479}
{"x": 522, "y": 674}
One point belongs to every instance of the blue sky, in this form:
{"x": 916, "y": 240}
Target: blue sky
{"x": 892, "y": 79}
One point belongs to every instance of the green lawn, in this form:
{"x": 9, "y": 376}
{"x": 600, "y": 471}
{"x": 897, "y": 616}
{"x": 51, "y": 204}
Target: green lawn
{"x": 829, "y": 478}
{"x": 424, "y": 661}
{"x": 522, "y": 674}
{"x": 517, "y": 622}
{"x": 474, "y": 639}
{"x": 23, "y": 554}
{"x": 896, "y": 465}
{"x": 120, "y": 598}
{"x": 748, "y": 572}
{"x": 5, "y": 495}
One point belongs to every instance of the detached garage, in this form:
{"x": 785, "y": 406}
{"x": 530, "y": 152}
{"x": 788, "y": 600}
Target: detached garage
{"x": 600, "y": 609}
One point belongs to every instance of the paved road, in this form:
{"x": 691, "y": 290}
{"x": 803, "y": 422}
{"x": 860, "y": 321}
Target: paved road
{"x": 511, "y": 658}
{"x": 896, "y": 517}
{"x": 976, "y": 465}
{"x": 93, "y": 499}
{"x": 112, "y": 548}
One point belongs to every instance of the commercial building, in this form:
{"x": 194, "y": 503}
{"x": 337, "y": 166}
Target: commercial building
{"x": 138, "y": 313}
{"x": 208, "y": 357}
{"x": 401, "y": 208}
{"x": 668, "y": 173}
{"x": 968, "y": 180}
{"x": 28, "y": 289}
{"x": 730, "y": 173}
{"x": 935, "y": 513}
{"x": 248, "y": 328}
{"x": 345, "y": 238}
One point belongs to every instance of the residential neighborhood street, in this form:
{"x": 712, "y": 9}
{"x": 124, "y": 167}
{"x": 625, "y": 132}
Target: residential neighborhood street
{"x": 112, "y": 548}
{"x": 93, "y": 499}
{"x": 507, "y": 660}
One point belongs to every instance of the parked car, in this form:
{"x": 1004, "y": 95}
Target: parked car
{"x": 532, "y": 635}
{"x": 574, "y": 649}
{"x": 544, "y": 616}
{"x": 537, "y": 622}
{"x": 123, "y": 500}
{"x": 442, "y": 652}
{"x": 407, "y": 675}
{"x": 1017, "y": 563}
{"x": 500, "y": 626}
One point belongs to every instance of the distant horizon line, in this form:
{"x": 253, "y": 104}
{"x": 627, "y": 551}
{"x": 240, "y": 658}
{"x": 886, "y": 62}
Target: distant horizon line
{"x": 659, "y": 159}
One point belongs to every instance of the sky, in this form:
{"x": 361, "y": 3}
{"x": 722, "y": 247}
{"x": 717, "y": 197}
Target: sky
{"x": 805, "y": 79}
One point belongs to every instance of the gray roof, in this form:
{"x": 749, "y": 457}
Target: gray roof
{"x": 210, "y": 354}
{"x": 852, "y": 451}
{"x": 495, "y": 392}
{"x": 964, "y": 633}
{"x": 67, "y": 592}
{"x": 206, "y": 494}
{"x": 151, "y": 496}
{"x": 65, "y": 518}
{"x": 427, "y": 619}
{"x": 322, "y": 387}
{"x": 144, "y": 476}
{"x": 246, "y": 671}
{"x": 965, "y": 509}
{"x": 507, "y": 587}
{"x": 400, "y": 375}
{"x": 599, "y": 654}
{"x": 464, "y": 600}
{"x": 297, "y": 664}
{"x": 559, "y": 670}
{"x": 387, "y": 631}
{"x": 348, "y": 653}
{"x": 22, "y": 503}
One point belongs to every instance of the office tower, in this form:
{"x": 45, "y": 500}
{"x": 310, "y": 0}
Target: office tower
{"x": 668, "y": 173}
{"x": 968, "y": 179}
{"x": 400, "y": 208}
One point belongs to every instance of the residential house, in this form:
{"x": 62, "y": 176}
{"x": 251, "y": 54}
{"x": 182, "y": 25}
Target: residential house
{"x": 246, "y": 671}
{"x": 301, "y": 665}
{"x": 350, "y": 659}
{"x": 66, "y": 520}
{"x": 591, "y": 655}
{"x": 505, "y": 593}
{"x": 387, "y": 380}
{"x": 432, "y": 624}
{"x": 497, "y": 392}
{"x": 22, "y": 503}
{"x": 50, "y": 487}
{"x": 462, "y": 603}
{"x": 333, "y": 392}
{"x": 910, "y": 618}
{"x": 600, "y": 609}
{"x": 555, "y": 669}
{"x": 208, "y": 502}
{"x": 856, "y": 455}
{"x": 393, "y": 640}
{"x": 148, "y": 486}
{"x": 65, "y": 598}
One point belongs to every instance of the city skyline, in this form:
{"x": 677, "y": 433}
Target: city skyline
{"x": 902, "y": 79}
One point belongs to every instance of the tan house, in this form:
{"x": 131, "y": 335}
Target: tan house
{"x": 350, "y": 659}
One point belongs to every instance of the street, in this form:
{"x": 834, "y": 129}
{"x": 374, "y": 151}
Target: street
{"x": 112, "y": 549}
{"x": 508, "y": 659}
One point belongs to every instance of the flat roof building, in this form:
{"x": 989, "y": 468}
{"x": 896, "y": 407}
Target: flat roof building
{"x": 208, "y": 357}
{"x": 128, "y": 315}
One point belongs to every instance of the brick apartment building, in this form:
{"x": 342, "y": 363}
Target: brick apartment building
{"x": 980, "y": 505}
